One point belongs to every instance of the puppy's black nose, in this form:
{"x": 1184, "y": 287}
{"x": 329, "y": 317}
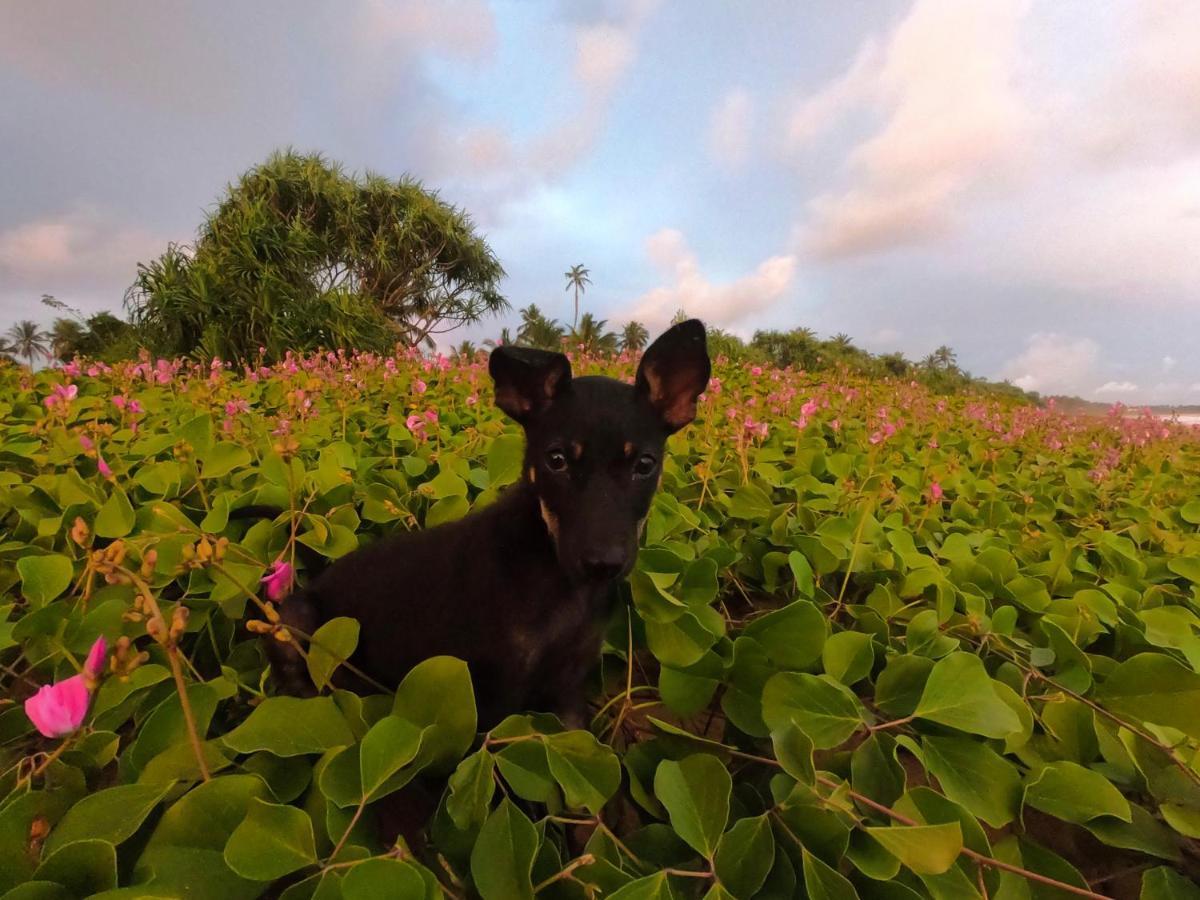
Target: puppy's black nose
{"x": 604, "y": 564}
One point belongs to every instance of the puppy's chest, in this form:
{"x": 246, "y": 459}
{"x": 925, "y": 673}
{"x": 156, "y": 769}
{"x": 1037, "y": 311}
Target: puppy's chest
{"x": 563, "y": 626}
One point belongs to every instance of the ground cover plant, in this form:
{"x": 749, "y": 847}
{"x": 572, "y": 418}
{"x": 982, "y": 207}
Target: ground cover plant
{"x": 878, "y": 643}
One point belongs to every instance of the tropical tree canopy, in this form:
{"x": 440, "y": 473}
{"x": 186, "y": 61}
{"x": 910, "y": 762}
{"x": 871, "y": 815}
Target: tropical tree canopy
{"x": 301, "y": 255}
{"x": 538, "y": 331}
{"x": 591, "y": 336}
{"x": 27, "y": 340}
{"x": 634, "y": 336}
{"x": 577, "y": 278}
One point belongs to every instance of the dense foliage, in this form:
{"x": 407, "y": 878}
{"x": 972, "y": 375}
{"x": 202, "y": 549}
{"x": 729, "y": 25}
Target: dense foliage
{"x": 300, "y": 255}
{"x": 879, "y": 643}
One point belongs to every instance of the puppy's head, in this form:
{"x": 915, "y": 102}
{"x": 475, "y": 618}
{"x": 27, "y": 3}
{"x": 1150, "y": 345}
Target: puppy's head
{"x": 594, "y": 445}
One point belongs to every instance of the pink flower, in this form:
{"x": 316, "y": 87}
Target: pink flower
{"x": 57, "y": 710}
{"x": 935, "y": 492}
{"x": 756, "y": 370}
{"x": 85, "y": 442}
{"x": 419, "y": 386}
{"x": 808, "y": 408}
{"x": 431, "y": 416}
{"x": 278, "y": 580}
{"x": 103, "y": 466}
{"x": 119, "y": 401}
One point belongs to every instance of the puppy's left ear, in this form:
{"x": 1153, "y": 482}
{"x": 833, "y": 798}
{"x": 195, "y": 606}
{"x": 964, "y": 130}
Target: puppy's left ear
{"x": 674, "y": 372}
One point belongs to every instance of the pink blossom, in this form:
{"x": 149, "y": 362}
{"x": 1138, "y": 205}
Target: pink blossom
{"x": 836, "y": 424}
{"x": 756, "y": 370}
{"x": 935, "y": 491}
{"x": 419, "y": 386}
{"x": 431, "y": 416}
{"x": 72, "y": 368}
{"x": 57, "y": 710}
{"x": 808, "y": 408}
{"x": 104, "y": 467}
{"x": 472, "y": 399}
{"x": 120, "y": 401}
{"x": 414, "y": 423}
{"x": 278, "y": 580}
{"x": 86, "y": 442}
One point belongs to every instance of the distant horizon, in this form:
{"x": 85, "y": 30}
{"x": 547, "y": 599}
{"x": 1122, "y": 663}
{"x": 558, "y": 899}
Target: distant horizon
{"x": 1018, "y": 180}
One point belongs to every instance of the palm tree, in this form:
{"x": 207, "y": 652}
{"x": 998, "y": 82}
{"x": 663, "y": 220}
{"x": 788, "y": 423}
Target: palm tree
{"x": 945, "y": 358}
{"x": 634, "y": 336}
{"x": 841, "y": 342}
{"x": 538, "y": 331}
{"x": 680, "y": 316}
{"x": 66, "y": 338}
{"x": 28, "y": 341}
{"x": 577, "y": 277}
{"x": 591, "y": 336}
{"x": 466, "y": 350}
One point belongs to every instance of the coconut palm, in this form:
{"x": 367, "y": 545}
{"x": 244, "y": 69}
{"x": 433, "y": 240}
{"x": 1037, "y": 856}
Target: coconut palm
{"x": 634, "y": 336}
{"x": 577, "y": 277}
{"x": 28, "y": 340}
{"x": 538, "y": 331}
{"x": 66, "y": 338}
{"x": 591, "y": 336}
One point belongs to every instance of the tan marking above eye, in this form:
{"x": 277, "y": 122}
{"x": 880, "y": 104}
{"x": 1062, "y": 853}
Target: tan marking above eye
{"x": 629, "y": 448}
{"x": 576, "y": 449}
{"x": 532, "y": 475}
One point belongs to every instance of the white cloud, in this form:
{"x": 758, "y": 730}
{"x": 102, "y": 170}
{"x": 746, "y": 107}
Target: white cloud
{"x": 1054, "y": 364}
{"x": 945, "y": 82}
{"x": 78, "y": 248}
{"x": 1117, "y": 387}
{"x": 719, "y": 304}
{"x": 729, "y": 129}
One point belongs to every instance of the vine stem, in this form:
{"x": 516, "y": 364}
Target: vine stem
{"x": 586, "y": 860}
{"x": 185, "y": 703}
{"x": 346, "y": 834}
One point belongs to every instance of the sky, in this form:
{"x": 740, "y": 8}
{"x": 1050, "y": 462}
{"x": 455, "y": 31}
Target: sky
{"x": 1019, "y": 180}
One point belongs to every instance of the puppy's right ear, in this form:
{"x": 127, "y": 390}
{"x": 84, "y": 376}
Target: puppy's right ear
{"x": 527, "y": 380}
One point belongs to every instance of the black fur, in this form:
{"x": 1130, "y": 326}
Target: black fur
{"x": 522, "y": 589}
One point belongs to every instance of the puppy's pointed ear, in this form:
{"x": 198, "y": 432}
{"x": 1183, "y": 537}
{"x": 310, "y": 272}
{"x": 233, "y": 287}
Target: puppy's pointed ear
{"x": 674, "y": 373}
{"x": 527, "y": 380}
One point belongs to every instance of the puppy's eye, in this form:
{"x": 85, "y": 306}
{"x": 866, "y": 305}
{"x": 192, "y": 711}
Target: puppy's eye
{"x": 556, "y": 460}
{"x": 644, "y": 465}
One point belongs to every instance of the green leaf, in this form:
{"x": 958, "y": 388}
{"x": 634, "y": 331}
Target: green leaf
{"x": 116, "y": 518}
{"x": 471, "y": 788}
{"x": 111, "y": 815}
{"x": 959, "y": 694}
{"x": 503, "y": 855}
{"x": 975, "y": 776}
{"x": 223, "y": 458}
{"x": 505, "y": 457}
{"x": 695, "y": 792}
{"x": 750, "y": 502}
{"x": 437, "y": 694}
{"x": 332, "y": 644}
{"x": 1164, "y": 884}
{"x": 848, "y": 656}
{"x": 1068, "y": 791}
{"x": 1152, "y": 687}
{"x": 652, "y": 887}
{"x": 291, "y": 726}
{"x": 926, "y": 849}
{"x": 383, "y": 879}
{"x": 271, "y": 841}
{"x": 390, "y": 745}
{"x": 792, "y": 636}
{"x": 745, "y": 855}
{"x": 44, "y": 578}
{"x": 588, "y": 772}
{"x": 794, "y": 750}
{"x": 85, "y": 867}
{"x": 802, "y": 573}
{"x": 824, "y": 710}
{"x": 825, "y": 883}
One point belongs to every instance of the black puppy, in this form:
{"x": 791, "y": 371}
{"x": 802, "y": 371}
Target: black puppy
{"x": 523, "y": 589}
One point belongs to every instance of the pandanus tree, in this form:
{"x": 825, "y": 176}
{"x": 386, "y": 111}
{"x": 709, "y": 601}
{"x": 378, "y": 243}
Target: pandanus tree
{"x": 300, "y": 255}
